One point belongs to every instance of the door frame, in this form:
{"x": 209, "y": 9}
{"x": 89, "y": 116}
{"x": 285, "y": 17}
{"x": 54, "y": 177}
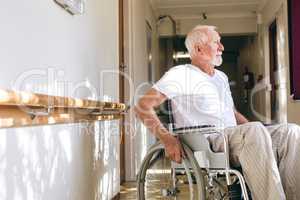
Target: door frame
{"x": 122, "y": 89}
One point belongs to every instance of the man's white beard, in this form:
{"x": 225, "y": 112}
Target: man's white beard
{"x": 217, "y": 61}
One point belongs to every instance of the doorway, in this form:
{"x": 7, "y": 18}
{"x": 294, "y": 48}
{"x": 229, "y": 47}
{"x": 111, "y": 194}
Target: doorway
{"x": 273, "y": 68}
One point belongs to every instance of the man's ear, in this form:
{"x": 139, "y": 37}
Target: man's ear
{"x": 198, "y": 49}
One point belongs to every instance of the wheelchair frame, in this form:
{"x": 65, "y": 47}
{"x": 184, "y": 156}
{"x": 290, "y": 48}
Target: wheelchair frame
{"x": 199, "y": 158}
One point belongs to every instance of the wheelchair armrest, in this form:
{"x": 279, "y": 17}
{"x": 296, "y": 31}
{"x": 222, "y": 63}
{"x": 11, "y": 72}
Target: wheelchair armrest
{"x": 204, "y": 129}
{"x": 269, "y": 124}
{"x": 193, "y": 127}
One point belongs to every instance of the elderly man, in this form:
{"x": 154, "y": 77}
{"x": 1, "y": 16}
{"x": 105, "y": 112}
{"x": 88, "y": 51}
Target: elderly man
{"x": 201, "y": 95}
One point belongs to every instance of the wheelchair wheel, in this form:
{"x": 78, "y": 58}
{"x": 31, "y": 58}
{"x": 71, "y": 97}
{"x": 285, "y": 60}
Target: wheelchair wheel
{"x": 158, "y": 180}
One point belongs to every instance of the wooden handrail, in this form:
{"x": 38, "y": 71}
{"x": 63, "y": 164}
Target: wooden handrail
{"x": 27, "y": 109}
{"x": 9, "y": 97}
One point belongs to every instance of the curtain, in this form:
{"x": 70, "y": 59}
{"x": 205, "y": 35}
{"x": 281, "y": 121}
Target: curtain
{"x": 294, "y": 32}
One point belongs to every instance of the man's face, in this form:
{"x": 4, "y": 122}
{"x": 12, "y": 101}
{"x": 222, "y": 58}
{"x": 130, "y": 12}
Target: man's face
{"x": 212, "y": 51}
{"x": 215, "y": 49}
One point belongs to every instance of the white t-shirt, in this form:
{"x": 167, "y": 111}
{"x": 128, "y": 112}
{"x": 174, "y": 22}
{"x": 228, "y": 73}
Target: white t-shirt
{"x": 197, "y": 98}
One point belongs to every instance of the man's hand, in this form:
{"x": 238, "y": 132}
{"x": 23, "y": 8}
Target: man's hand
{"x": 173, "y": 148}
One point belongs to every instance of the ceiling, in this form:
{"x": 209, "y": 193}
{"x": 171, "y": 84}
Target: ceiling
{"x": 232, "y": 44}
{"x": 192, "y": 9}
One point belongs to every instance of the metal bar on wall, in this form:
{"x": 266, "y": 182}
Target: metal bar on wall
{"x": 19, "y": 109}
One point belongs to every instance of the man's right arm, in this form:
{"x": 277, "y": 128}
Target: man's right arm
{"x": 146, "y": 113}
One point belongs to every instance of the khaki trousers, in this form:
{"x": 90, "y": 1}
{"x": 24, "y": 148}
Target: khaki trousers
{"x": 269, "y": 157}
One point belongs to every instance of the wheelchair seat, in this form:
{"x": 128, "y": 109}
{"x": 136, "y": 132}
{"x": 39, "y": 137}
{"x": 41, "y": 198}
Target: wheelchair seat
{"x": 196, "y": 139}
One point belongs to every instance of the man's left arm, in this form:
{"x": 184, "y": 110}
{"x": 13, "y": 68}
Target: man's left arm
{"x": 240, "y": 119}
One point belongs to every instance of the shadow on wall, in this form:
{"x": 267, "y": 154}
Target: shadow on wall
{"x": 74, "y": 161}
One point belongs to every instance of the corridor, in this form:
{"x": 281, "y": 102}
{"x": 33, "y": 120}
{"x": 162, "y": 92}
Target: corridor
{"x": 72, "y": 72}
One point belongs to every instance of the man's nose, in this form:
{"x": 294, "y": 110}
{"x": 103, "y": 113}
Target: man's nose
{"x": 221, "y": 47}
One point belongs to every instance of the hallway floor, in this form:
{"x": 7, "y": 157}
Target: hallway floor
{"x": 157, "y": 178}
{"x": 129, "y": 192}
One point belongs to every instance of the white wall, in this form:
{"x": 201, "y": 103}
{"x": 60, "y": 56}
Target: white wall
{"x": 40, "y": 35}
{"x": 74, "y": 161}
{"x": 59, "y": 161}
{"x": 138, "y": 138}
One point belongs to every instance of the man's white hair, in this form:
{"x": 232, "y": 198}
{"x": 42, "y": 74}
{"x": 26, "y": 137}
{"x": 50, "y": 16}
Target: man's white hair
{"x": 199, "y": 35}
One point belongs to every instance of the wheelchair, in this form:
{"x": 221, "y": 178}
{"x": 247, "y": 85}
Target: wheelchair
{"x": 202, "y": 175}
